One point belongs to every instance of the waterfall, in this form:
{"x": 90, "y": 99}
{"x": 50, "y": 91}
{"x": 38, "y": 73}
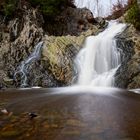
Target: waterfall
{"x": 24, "y": 67}
{"x": 99, "y": 59}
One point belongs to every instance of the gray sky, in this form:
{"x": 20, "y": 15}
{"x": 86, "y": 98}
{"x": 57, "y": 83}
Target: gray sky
{"x": 104, "y": 6}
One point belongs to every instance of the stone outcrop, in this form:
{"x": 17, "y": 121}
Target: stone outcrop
{"x": 72, "y": 21}
{"x": 19, "y": 36}
{"x": 59, "y": 53}
{"x": 128, "y": 74}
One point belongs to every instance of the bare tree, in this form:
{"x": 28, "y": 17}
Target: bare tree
{"x": 138, "y": 1}
{"x": 110, "y": 5}
{"x": 97, "y": 4}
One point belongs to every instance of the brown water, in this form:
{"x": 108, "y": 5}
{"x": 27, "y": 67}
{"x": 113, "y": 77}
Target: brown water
{"x": 70, "y": 114}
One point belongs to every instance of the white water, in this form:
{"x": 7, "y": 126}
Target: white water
{"x": 24, "y": 67}
{"x": 98, "y": 61}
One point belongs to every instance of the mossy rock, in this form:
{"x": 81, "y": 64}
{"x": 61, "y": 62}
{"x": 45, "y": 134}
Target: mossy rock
{"x": 133, "y": 16}
{"x": 10, "y": 134}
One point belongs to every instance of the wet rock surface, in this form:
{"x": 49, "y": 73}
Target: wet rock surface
{"x": 108, "y": 114}
{"x": 128, "y": 74}
{"x": 18, "y": 39}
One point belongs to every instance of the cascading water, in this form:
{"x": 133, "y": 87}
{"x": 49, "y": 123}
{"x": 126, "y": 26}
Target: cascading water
{"x": 98, "y": 61}
{"x": 23, "y": 68}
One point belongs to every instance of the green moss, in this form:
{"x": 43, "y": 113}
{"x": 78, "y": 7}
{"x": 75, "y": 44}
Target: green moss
{"x": 50, "y": 7}
{"x": 9, "y": 6}
{"x": 11, "y": 133}
{"x": 133, "y": 16}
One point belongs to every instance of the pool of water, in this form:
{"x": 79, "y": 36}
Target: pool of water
{"x": 74, "y": 113}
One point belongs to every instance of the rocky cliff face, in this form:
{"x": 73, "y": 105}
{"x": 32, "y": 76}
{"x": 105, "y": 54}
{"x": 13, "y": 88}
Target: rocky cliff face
{"x": 18, "y": 38}
{"x": 55, "y": 67}
{"x": 72, "y": 21}
{"x": 128, "y": 74}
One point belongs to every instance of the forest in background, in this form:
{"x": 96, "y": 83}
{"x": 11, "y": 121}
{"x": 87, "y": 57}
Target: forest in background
{"x": 52, "y": 8}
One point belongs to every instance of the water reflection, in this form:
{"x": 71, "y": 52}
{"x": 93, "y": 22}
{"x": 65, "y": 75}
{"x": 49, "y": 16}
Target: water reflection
{"x": 76, "y": 113}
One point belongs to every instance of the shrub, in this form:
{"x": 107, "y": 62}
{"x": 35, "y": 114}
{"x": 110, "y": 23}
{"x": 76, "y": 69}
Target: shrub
{"x": 133, "y": 16}
{"x": 51, "y": 7}
{"x": 47, "y": 7}
{"x": 9, "y": 7}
